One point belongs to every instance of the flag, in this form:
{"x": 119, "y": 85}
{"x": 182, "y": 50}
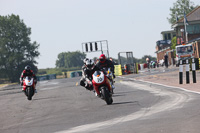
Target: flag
{"x": 185, "y": 19}
{"x": 177, "y": 18}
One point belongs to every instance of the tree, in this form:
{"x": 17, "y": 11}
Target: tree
{"x": 174, "y": 45}
{"x": 70, "y": 59}
{"x": 178, "y": 9}
{"x": 143, "y": 60}
{"x": 16, "y": 50}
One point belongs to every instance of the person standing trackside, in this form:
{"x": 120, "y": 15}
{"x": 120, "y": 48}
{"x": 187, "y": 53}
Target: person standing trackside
{"x": 114, "y": 63}
{"x": 148, "y": 63}
{"x": 166, "y": 60}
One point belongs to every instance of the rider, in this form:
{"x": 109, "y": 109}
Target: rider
{"x": 87, "y": 70}
{"x": 105, "y": 63}
{"x": 28, "y": 72}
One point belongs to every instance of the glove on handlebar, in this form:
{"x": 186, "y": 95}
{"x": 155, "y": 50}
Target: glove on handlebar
{"x": 113, "y": 75}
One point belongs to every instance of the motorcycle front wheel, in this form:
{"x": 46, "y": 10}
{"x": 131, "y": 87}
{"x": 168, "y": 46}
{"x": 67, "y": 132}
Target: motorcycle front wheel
{"x": 29, "y": 93}
{"x": 106, "y": 95}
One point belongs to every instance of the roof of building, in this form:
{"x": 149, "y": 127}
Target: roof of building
{"x": 194, "y": 15}
{"x": 196, "y": 39}
{"x": 169, "y": 31}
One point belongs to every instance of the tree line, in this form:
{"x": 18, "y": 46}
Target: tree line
{"x": 75, "y": 59}
{"x": 16, "y": 48}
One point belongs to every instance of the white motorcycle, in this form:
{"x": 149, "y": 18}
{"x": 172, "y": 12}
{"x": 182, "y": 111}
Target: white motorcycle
{"x": 29, "y": 87}
{"x": 102, "y": 86}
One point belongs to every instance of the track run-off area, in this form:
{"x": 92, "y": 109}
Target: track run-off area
{"x": 62, "y": 106}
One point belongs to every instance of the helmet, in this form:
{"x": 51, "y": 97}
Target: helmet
{"x": 102, "y": 58}
{"x": 89, "y": 63}
{"x": 28, "y": 68}
{"x": 85, "y": 60}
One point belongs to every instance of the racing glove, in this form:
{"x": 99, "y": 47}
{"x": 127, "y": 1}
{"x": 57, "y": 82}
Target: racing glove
{"x": 21, "y": 83}
{"x": 113, "y": 75}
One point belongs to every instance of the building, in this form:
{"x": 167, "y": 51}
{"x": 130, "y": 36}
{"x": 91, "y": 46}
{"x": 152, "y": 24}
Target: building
{"x": 192, "y": 36}
{"x": 164, "y": 46}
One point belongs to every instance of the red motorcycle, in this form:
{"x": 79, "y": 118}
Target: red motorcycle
{"x": 29, "y": 87}
{"x": 102, "y": 86}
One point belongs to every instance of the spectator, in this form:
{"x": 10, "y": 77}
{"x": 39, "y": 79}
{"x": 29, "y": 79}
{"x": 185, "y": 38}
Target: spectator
{"x": 114, "y": 63}
{"x": 166, "y": 60}
{"x": 148, "y": 63}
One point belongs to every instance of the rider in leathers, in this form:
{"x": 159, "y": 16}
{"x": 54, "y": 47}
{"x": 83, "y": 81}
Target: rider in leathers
{"x": 28, "y": 72}
{"x": 87, "y": 70}
{"x": 105, "y": 63}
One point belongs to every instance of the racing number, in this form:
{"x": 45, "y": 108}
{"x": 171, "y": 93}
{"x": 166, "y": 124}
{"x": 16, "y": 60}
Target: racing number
{"x": 99, "y": 79}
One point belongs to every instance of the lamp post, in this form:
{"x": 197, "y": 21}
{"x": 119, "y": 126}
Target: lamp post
{"x": 182, "y": 34}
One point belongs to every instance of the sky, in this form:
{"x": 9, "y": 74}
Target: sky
{"x": 63, "y": 25}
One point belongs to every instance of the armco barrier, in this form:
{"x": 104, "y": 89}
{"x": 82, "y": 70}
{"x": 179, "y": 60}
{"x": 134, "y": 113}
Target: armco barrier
{"x": 51, "y": 76}
{"x": 75, "y": 74}
{"x": 41, "y": 78}
{"x": 46, "y": 77}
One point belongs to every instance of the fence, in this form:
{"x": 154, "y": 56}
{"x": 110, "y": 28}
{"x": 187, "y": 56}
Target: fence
{"x": 46, "y": 77}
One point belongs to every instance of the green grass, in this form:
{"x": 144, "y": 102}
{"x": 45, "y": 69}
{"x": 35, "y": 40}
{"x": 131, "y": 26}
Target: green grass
{"x": 57, "y": 71}
{"x": 2, "y": 85}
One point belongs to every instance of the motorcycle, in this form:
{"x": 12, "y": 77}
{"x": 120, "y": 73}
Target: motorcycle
{"x": 102, "y": 86}
{"x": 29, "y": 86}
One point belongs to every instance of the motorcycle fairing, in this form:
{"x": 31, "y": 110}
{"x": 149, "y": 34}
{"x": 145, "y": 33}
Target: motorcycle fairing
{"x": 98, "y": 77}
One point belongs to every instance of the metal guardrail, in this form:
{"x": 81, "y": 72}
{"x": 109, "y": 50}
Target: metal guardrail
{"x": 46, "y": 77}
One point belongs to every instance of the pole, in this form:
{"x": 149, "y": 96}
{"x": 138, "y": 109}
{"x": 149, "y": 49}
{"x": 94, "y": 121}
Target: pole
{"x": 193, "y": 71}
{"x": 107, "y": 48}
{"x": 187, "y": 72}
{"x": 186, "y": 34}
{"x": 101, "y": 48}
{"x": 180, "y": 72}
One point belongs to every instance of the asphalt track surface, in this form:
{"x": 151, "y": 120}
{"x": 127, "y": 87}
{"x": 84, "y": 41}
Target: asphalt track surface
{"x": 60, "y": 106}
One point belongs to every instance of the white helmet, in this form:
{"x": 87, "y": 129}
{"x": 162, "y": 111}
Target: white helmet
{"x": 89, "y": 63}
{"x": 85, "y": 60}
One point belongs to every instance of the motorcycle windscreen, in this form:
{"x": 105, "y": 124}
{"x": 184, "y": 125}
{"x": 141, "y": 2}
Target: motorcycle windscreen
{"x": 98, "y": 77}
{"x": 28, "y": 81}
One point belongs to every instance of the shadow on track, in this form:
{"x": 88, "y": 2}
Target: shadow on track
{"x": 44, "y": 98}
{"x": 117, "y": 95}
{"x": 125, "y": 92}
{"x": 131, "y": 102}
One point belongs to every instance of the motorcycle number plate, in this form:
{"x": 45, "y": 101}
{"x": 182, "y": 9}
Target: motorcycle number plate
{"x": 99, "y": 79}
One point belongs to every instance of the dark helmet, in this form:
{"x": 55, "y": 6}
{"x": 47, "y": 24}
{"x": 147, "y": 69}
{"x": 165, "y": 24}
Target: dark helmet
{"x": 28, "y": 68}
{"x": 89, "y": 64}
{"x": 102, "y": 58}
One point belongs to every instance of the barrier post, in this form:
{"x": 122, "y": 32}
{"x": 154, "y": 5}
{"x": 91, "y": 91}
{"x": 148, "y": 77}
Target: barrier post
{"x": 180, "y": 72}
{"x": 136, "y": 68}
{"x": 187, "y": 72}
{"x": 193, "y": 70}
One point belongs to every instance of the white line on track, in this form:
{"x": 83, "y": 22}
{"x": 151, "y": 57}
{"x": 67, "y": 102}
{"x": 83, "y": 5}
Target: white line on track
{"x": 166, "y": 86}
{"x": 175, "y": 101}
